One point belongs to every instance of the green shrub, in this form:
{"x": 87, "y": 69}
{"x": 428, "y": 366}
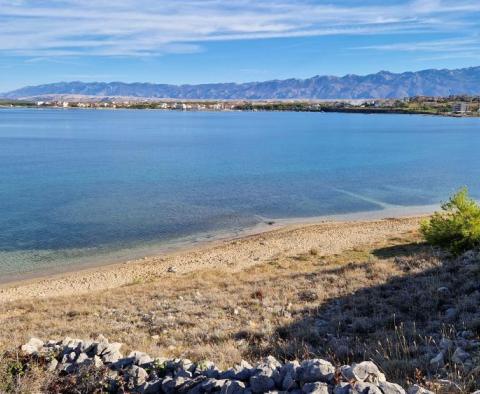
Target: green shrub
{"x": 457, "y": 226}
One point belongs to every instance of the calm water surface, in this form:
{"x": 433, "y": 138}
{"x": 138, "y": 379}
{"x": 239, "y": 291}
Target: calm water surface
{"x": 77, "y": 185}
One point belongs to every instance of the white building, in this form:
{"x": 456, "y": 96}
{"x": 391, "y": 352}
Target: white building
{"x": 460, "y": 108}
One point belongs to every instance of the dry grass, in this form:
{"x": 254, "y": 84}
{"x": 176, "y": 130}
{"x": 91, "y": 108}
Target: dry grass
{"x": 373, "y": 302}
{"x": 21, "y": 374}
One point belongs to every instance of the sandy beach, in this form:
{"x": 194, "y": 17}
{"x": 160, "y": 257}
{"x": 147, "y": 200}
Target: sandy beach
{"x": 328, "y": 238}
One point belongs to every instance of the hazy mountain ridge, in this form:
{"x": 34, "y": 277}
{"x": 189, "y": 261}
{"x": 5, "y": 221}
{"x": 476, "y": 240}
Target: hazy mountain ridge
{"x": 380, "y": 85}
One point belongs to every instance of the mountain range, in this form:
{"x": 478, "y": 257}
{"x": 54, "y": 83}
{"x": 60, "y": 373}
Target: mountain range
{"x": 380, "y": 85}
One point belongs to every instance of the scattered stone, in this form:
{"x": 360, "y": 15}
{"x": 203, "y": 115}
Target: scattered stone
{"x": 153, "y": 387}
{"x": 192, "y": 386}
{"x": 443, "y": 291}
{"x": 416, "y": 389}
{"x": 121, "y": 363}
{"x": 111, "y": 357}
{"x": 289, "y": 375}
{"x": 316, "y": 370}
{"x": 69, "y": 357}
{"x": 140, "y": 358}
{"x": 438, "y": 361}
{"x": 467, "y": 334}
{"x": 366, "y": 388}
{"x": 446, "y": 386}
{"x": 208, "y": 369}
{"x": 140, "y": 373}
{"x": 271, "y": 362}
{"x": 86, "y": 346}
{"x": 460, "y": 356}
{"x": 446, "y": 344}
{"x": 32, "y": 346}
{"x": 365, "y": 371}
{"x": 172, "y": 269}
{"x": 181, "y": 373}
{"x": 82, "y": 357}
{"x": 66, "y": 368}
{"x": 100, "y": 345}
{"x": 451, "y": 314}
{"x": 137, "y": 376}
{"x": 261, "y": 383}
{"x": 112, "y": 348}
{"x": 243, "y": 371}
{"x": 97, "y": 362}
{"x": 52, "y": 365}
{"x": 228, "y": 374}
{"x": 391, "y": 388}
{"x": 342, "y": 388}
{"x": 168, "y": 385}
{"x": 233, "y": 387}
{"x": 213, "y": 385}
{"x": 289, "y": 382}
{"x": 51, "y": 343}
{"x": 315, "y": 388}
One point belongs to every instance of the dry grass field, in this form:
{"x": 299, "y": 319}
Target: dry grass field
{"x": 377, "y": 301}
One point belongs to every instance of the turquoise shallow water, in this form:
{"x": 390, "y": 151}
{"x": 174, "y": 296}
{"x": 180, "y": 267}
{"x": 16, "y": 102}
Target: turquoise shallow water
{"x": 77, "y": 185}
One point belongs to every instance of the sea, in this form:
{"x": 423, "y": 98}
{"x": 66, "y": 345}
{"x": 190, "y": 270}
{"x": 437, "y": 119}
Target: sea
{"x": 80, "y": 187}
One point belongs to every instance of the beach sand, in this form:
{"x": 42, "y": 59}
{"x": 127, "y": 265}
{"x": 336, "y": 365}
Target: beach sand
{"x": 327, "y": 238}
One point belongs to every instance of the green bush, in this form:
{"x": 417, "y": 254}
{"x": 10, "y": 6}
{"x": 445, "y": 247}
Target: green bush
{"x": 457, "y": 226}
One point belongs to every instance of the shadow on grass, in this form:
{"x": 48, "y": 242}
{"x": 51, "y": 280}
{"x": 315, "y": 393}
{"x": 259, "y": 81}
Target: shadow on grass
{"x": 403, "y": 250}
{"x": 397, "y": 324}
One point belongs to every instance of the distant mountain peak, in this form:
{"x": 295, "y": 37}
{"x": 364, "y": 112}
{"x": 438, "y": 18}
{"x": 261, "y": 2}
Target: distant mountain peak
{"x": 383, "y": 84}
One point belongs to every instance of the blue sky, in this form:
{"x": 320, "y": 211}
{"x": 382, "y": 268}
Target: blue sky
{"x": 200, "y": 41}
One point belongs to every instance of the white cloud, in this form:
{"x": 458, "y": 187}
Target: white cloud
{"x": 136, "y": 28}
{"x": 435, "y": 50}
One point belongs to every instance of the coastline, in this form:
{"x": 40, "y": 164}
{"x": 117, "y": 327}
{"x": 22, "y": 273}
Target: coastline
{"x": 368, "y": 111}
{"x": 207, "y": 239}
{"x": 226, "y": 251}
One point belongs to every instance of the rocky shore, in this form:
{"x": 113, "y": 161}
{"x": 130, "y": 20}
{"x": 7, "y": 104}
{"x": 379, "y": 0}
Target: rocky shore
{"x": 92, "y": 365}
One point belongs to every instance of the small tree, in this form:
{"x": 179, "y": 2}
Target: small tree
{"x": 457, "y": 226}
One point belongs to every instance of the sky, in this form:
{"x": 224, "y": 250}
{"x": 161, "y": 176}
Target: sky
{"x": 203, "y": 41}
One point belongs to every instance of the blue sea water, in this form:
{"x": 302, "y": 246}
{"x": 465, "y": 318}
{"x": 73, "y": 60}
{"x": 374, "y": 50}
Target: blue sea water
{"x": 77, "y": 185}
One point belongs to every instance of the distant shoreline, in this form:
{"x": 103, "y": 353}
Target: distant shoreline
{"x": 323, "y": 109}
{"x": 345, "y": 111}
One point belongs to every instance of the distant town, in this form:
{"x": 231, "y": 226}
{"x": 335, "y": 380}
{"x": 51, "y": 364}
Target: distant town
{"x": 447, "y": 106}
